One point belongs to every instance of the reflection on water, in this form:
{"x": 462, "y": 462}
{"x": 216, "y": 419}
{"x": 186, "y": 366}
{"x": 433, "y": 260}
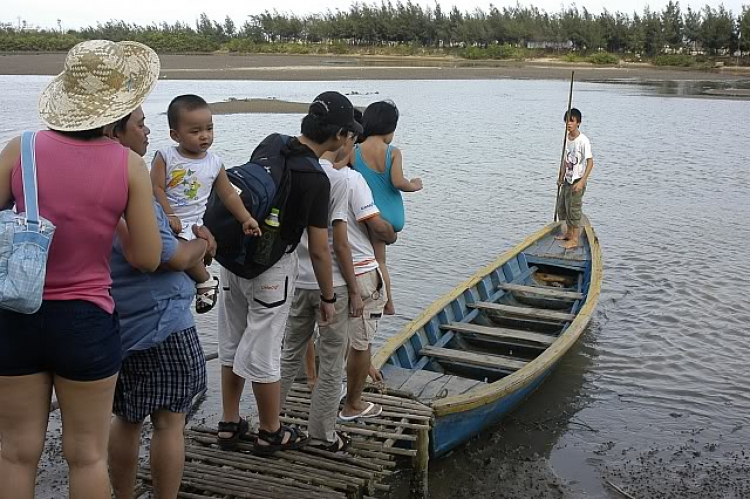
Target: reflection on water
{"x": 658, "y": 389}
{"x": 690, "y": 88}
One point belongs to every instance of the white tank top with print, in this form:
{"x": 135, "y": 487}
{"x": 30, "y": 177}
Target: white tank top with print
{"x": 188, "y": 185}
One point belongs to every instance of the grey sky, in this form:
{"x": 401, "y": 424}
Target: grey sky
{"x": 77, "y": 13}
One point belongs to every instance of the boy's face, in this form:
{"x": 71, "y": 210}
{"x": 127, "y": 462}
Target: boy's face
{"x": 573, "y": 124}
{"x": 195, "y": 130}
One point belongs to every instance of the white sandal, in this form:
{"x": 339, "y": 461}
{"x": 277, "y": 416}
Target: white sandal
{"x": 206, "y": 295}
{"x": 372, "y": 411}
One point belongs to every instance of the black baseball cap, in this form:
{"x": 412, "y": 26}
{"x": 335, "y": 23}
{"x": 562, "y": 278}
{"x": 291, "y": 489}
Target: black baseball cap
{"x": 335, "y": 109}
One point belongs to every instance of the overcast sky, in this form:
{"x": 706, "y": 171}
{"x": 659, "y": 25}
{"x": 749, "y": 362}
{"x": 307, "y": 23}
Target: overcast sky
{"x": 78, "y": 13}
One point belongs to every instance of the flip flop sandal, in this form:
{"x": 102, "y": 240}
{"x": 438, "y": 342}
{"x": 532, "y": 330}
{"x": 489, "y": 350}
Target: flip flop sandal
{"x": 340, "y": 445}
{"x": 238, "y": 430}
{"x": 206, "y": 294}
{"x": 274, "y": 440}
{"x": 370, "y": 412}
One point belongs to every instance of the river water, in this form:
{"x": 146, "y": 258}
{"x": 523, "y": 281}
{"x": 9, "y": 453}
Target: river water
{"x": 655, "y": 397}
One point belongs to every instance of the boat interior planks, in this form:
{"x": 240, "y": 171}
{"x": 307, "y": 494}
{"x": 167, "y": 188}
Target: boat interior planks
{"x": 427, "y": 385}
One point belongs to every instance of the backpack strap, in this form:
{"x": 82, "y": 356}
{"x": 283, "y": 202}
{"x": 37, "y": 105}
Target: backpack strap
{"x": 28, "y": 177}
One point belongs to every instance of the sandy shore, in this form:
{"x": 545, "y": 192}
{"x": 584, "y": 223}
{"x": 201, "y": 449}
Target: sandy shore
{"x": 336, "y": 68}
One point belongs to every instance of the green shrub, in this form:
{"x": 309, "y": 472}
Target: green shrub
{"x": 678, "y": 60}
{"x": 604, "y": 58}
{"x": 572, "y": 57}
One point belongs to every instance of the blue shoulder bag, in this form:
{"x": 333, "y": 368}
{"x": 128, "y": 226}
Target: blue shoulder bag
{"x": 24, "y": 242}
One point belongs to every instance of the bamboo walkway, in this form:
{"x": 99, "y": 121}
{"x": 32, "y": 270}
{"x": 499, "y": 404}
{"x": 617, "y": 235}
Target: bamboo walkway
{"x": 378, "y": 448}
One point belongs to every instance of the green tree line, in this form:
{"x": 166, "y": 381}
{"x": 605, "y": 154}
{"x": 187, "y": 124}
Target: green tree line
{"x": 497, "y": 32}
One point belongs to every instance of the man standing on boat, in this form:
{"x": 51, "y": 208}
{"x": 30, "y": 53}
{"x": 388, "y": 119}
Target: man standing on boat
{"x": 361, "y": 298}
{"x": 574, "y": 174}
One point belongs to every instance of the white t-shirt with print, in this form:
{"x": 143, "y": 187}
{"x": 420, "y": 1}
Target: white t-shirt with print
{"x": 577, "y": 151}
{"x": 337, "y": 210}
{"x": 361, "y": 207}
{"x": 188, "y": 185}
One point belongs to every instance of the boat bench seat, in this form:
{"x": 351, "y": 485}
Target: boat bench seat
{"x": 499, "y": 332}
{"x": 523, "y": 312}
{"x": 473, "y": 358}
{"x": 546, "y": 291}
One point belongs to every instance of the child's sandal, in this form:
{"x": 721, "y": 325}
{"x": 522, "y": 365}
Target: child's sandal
{"x": 206, "y": 295}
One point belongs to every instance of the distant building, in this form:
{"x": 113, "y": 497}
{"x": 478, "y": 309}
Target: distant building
{"x": 546, "y": 45}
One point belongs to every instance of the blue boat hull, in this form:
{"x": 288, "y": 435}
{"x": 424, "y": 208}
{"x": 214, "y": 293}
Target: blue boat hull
{"x": 453, "y": 430}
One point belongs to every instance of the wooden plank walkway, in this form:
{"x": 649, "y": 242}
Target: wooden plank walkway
{"x": 308, "y": 473}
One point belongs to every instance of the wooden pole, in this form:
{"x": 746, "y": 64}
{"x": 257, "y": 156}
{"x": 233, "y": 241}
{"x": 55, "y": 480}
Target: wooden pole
{"x": 419, "y": 479}
{"x": 565, "y": 139}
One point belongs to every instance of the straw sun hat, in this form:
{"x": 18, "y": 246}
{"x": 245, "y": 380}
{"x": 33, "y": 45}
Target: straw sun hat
{"x": 101, "y": 82}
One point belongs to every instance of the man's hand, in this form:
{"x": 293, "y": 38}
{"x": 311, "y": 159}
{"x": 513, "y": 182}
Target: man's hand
{"x": 175, "y": 224}
{"x": 559, "y": 182}
{"x": 202, "y": 232}
{"x": 327, "y": 313}
{"x": 355, "y": 304}
{"x": 578, "y": 186}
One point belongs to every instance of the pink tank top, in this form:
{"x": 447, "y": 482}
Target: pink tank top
{"x": 83, "y": 190}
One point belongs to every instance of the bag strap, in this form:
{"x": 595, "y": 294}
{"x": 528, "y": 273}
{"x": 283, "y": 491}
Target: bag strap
{"x": 28, "y": 176}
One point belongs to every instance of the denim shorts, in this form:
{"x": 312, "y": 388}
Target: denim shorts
{"x": 74, "y": 339}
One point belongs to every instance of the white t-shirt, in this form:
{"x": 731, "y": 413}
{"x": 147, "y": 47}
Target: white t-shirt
{"x": 188, "y": 185}
{"x": 337, "y": 210}
{"x": 361, "y": 207}
{"x": 577, "y": 151}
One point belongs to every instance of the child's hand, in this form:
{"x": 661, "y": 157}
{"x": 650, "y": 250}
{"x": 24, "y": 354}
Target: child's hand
{"x": 417, "y": 183}
{"x": 251, "y": 228}
{"x": 175, "y": 224}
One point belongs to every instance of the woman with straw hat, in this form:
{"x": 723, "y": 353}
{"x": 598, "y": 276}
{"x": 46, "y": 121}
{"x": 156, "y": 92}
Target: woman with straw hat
{"x": 86, "y": 183}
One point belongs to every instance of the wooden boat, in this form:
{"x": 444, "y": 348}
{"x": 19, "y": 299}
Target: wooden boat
{"x": 480, "y": 350}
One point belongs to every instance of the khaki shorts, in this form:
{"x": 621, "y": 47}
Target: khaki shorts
{"x": 362, "y": 329}
{"x": 569, "y": 205}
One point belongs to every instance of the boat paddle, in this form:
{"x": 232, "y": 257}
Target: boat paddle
{"x": 565, "y": 139}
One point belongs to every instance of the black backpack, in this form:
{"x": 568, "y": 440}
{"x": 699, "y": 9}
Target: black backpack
{"x": 263, "y": 183}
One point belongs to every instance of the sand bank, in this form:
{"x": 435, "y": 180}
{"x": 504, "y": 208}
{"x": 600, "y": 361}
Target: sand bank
{"x": 339, "y": 68}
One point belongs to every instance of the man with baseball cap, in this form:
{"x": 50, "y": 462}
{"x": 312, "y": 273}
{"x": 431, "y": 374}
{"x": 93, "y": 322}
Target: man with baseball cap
{"x": 253, "y": 312}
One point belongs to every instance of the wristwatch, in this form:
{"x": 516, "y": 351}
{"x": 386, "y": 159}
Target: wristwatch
{"x": 331, "y": 300}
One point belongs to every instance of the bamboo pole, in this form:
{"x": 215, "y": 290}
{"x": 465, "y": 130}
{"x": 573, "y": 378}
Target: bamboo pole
{"x": 221, "y": 473}
{"x": 317, "y": 477}
{"x": 419, "y": 479}
{"x": 314, "y": 465}
{"x": 303, "y": 412}
{"x": 565, "y": 140}
{"x": 362, "y": 444}
{"x": 357, "y": 430}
